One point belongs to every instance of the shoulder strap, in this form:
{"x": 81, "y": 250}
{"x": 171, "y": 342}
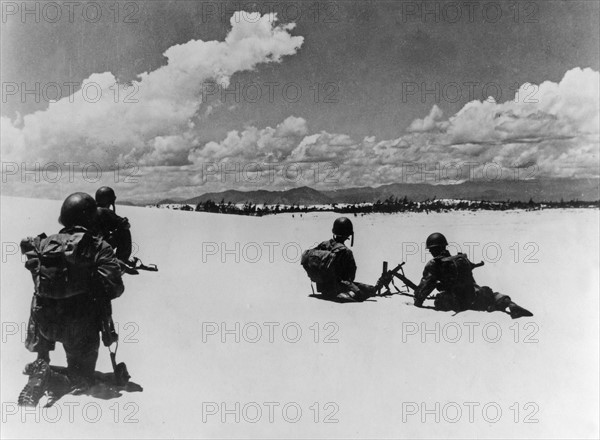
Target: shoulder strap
{"x": 337, "y": 247}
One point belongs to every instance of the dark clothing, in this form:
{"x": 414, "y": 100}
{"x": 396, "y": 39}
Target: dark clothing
{"x": 344, "y": 268}
{"x": 74, "y": 320}
{"x": 115, "y": 230}
{"x": 74, "y": 323}
{"x": 456, "y": 292}
{"x": 343, "y": 287}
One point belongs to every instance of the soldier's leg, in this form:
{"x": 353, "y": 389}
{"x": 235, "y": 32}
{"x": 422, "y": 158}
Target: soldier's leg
{"x": 502, "y": 302}
{"x": 515, "y": 310}
{"x": 365, "y": 291}
{"x": 35, "y": 341}
{"x": 445, "y": 301}
{"x": 81, "y": 347}
{"x": 356, "y": 292}
{"x": 40, "y": 342}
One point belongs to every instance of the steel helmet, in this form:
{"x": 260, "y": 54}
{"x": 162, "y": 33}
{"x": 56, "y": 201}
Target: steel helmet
{"x": 436, "y": 240}
{"x": 105, "y": 196}
{"x": 77, "y": 210}
{"x": 343, "y": 226}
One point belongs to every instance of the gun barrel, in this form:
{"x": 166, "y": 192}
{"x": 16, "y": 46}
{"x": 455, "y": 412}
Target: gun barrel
{"x": 406, "y": 281}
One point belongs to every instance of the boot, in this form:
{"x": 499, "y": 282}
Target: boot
{"x": 39, "y": 376}
{"x": 518, "y": 311}
{"x": 29, "y": 367}
{"x": 58, "y": 386}
{"x": 346, "y": 297}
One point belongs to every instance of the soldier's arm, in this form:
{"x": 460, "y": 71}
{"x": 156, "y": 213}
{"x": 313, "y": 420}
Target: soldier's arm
{"x": 124, "y": 223}
{"x": 427, "y": 284}
{"x": 108, "y": 271}
{"x": 345, "y": 265}
{"x": 351, "y": 265}
{"x": 117, "y": 222}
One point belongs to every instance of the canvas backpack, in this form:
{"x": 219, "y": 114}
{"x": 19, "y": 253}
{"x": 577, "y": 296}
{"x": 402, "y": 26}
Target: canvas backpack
{"x": 54, "y": 261}
{"x": 456, "y": 270}
{"x": 320, "y": 263}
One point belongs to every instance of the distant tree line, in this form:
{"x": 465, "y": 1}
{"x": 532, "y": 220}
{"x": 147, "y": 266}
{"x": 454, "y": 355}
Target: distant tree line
{"x": 390, "y": 205}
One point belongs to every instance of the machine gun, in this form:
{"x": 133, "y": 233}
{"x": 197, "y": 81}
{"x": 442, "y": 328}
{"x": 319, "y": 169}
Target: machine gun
{"x": 387, "y": 277}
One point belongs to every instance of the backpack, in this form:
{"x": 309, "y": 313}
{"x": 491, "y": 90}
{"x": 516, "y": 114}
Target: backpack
{"x": 456, "y": 270}
{"x": 53, "y": 261}
{"x": 319, "y": 264}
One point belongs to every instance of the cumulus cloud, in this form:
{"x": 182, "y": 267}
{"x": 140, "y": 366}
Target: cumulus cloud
{"x": 548, "y": 111}
{"x": 151, "y": 121}
{"x": 430, "y": 122}
{"x": 553, "y": 132}
{"x": 253, "y": 144}
{"x": 552, "y": 128}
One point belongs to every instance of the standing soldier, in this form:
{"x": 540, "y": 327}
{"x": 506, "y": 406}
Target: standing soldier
{"x": 332, "y": 267}
{"x": 74, "y": 273}
{"x": 114, "y": 229}
{"x": 452, "y": 276}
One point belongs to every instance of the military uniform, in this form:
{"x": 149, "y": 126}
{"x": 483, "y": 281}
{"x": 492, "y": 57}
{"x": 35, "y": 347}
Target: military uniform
{"x": 343, "y": 287}
{"x": 72, "y": 317}
{"x": 458, "y": 292}
{"x": 115, "y": 230}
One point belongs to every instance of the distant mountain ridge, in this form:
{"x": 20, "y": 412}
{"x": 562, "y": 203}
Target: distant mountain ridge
{"x": 538, "y": 190}
{"x": 302, "y": 195}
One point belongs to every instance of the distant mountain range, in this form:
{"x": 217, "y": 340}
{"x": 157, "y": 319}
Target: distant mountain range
{"x": 538, "y": 190}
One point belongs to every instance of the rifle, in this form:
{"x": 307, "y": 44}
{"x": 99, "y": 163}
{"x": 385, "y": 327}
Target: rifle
{"x": 134, "y": 265}
{"x": 408, "y": 283}
{"x": 138, "y": 265}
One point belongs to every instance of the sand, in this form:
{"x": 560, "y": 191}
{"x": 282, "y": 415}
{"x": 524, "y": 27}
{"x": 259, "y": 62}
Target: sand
{"x": 226, "y": 342}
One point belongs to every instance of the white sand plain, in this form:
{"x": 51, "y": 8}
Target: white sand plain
{"x": 374, "y": 381}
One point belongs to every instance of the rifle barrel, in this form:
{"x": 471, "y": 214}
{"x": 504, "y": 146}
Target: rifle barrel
{"x": 406, "y": 281}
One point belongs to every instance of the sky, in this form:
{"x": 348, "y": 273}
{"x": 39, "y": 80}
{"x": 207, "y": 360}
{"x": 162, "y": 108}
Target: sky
{"x": 175, "y": 99}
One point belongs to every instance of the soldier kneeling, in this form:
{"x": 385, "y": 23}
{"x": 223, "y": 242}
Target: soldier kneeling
{"x": 75, "y": 275}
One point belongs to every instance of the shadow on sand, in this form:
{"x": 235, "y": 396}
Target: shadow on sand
{"x": 335, "y": 299}
{"x": 372, "y": 299}
{"x": 105, "y": 386}
{"x": 455, "y": 312}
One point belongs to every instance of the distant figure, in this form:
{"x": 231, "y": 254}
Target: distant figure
{"x": 452, "y": 276}
{"x": 332, "y": 267}
{"x": 75, "y": 276}
{"x": 114, "y": 229}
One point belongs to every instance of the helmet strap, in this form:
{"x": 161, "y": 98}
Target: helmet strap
{"x": 352, "y": 240}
